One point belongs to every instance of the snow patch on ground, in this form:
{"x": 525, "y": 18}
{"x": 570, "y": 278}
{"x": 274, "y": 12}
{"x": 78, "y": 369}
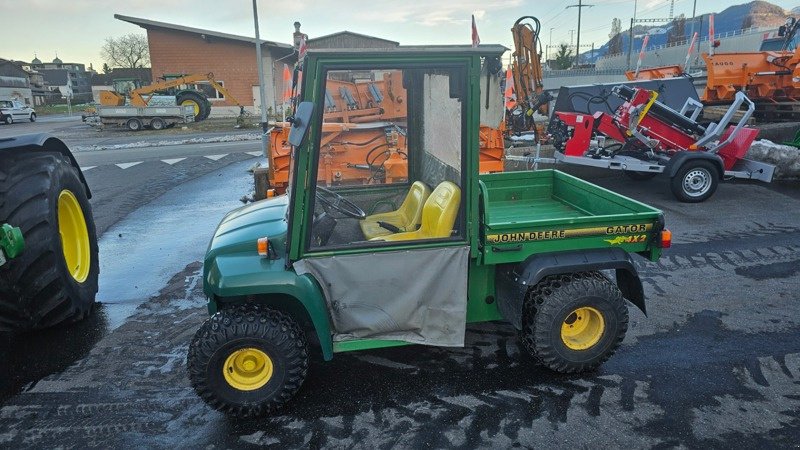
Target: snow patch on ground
{"x": 160, "y": 143}
{"x": 785, "y": 157}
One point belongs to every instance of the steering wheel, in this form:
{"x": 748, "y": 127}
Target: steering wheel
{"x": 332, "y": 200}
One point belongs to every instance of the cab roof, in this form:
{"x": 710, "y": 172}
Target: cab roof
{"x": 482, "y": 50}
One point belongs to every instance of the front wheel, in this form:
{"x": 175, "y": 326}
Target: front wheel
{"x": 574, "y": 323}
{"x": 248, "y": 360}
{"x": 134, "y": 124}
{"x": 695, "y": 181}
{"x": 33, "y": 117}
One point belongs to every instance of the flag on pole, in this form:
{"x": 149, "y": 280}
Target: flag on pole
{"x": 302, "y": 49}
{"x": 287, "y": 84}
{"x": 476, "y": 40}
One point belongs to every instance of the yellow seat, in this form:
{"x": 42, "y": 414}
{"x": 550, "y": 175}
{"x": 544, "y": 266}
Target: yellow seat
{"x": 438, "y": 215}
{"x": 406, "y": 218}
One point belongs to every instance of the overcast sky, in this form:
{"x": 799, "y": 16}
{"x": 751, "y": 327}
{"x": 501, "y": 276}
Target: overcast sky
{"x": 75, "y": 29}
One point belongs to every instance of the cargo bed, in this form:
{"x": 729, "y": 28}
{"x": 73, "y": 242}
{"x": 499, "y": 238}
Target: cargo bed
{"x": 548, "y": 210}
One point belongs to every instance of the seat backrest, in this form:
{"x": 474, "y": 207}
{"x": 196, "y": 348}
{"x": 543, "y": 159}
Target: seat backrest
{"x": 440, "y": 211}
{"x": 411, "y": 209}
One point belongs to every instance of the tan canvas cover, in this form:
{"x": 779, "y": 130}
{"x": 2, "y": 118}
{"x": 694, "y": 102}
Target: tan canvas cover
{"x": 417, "y": 296}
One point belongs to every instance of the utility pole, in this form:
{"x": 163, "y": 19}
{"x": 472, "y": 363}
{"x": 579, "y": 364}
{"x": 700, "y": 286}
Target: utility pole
{"x": 571, "y": 37}
{"x": 630, "y": 33}
{"x": 694, "y": 10}
{"x": 262, "y": 88}
{"x": 580, "y": 7}
{"x": 550, "y": 44}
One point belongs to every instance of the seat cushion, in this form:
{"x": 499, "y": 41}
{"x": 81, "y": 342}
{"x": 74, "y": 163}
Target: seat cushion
{"x": 406, "y": 218}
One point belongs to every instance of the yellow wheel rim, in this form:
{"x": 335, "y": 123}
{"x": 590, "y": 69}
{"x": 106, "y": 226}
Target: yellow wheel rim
{"x": 193, "y": 104}
{"x": 247, "y": 369}
{"x": 582, "y": 328}
{"x": 74, "y": 236}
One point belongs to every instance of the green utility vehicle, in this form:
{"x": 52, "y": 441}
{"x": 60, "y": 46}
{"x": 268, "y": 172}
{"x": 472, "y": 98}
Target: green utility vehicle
{"x": 413, "y": 256}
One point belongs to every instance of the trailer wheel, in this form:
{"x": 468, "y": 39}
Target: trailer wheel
{"x": 54, "y": 280}
{"x": 695, "y": 181}
{"x": 157, "y": 123}
{"x": 248, "y": 360}
{"x": 134, "y": 124}
{"x": 574, "y": 323}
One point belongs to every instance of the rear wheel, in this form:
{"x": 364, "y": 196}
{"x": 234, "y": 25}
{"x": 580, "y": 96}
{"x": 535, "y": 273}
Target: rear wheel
{"x": 248, "y": 360}
{"x": 134, "y": 124}
{"x": 157, "y": 123}
{"x": 197, "y": 101}
{"x": 695, "y": 181}
{"x": 9, "y": 119}
{"x": 54, "y": 280}
{"x": 574, "y": 323}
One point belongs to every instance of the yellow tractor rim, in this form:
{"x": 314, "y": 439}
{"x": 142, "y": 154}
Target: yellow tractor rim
{"x": 193, "y": 104}
{"x": 247, "y": 369}
{"x": 582, "y": 328}
{"x": 74, "y": 236}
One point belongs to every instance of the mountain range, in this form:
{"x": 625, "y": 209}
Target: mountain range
{"x": 753, "y": 14}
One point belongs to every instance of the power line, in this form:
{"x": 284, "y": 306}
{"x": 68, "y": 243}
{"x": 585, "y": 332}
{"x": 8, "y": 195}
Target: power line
{"x": 580, "y": 7}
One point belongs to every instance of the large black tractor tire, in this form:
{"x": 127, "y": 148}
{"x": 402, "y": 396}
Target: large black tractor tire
{"x": 248, "y": 361}
{"x": 202, "y": 107}
{"x": 54, "y": 280}
{"x": 574, "y": 323}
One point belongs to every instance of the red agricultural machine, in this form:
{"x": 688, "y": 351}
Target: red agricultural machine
{"x": 644, "y": 137}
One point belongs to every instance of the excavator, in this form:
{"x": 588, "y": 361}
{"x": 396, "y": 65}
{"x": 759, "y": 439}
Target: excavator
{"x": 526, "y": 69}
{"x": 365, "y": 144}
{"x": 130, "y": 89}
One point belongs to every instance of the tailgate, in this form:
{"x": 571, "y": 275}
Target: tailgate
{"x": 525, "y": 213}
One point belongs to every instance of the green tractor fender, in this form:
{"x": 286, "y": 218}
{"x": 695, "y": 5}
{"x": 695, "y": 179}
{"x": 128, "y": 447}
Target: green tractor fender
{"x": 237, "y": 275}
{"x": 42, "y": 142}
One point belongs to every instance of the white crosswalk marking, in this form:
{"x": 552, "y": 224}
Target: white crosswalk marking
{"x": 128, "y": 165}
{"x": 255, "y": 153}
{"x": 172, "y": 161}
{"x": 87, "y": 168}
{"x": 215, "y": 157}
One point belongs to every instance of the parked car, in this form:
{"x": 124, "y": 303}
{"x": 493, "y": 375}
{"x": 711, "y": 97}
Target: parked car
{"x": 15, "y": 111}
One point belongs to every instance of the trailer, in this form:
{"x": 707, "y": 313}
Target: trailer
{"x": 135, "y": 118}
{"x": 644, "y": 137}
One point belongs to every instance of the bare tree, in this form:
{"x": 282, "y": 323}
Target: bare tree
{"x": 615, "y": 44}
{"x": 126, "y": 51}
{"x": 678, "y": 31}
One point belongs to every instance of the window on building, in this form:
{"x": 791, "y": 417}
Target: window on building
{"x": 210, "y": 92}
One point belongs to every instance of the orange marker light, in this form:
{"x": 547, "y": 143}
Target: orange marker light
{"x": 263, "y": 246}
{"x": 666, "y": 239}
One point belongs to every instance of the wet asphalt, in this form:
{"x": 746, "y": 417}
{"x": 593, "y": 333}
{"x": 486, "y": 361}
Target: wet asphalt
{"x": 716, "y": 364}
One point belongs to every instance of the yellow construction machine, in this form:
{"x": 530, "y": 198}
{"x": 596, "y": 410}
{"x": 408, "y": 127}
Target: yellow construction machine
{"x": 130, "y": 90}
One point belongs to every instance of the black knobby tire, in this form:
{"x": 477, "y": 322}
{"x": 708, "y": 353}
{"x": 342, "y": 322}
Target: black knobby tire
{"x": 198, "y": 98}
{"x": 550, "y": 304}
{"x": 37, "y": 289}
{"x": 683, "y": 184}
{"x": 251, "y": 327}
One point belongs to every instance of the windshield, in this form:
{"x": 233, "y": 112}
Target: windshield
{"x": 5, "y": 104}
